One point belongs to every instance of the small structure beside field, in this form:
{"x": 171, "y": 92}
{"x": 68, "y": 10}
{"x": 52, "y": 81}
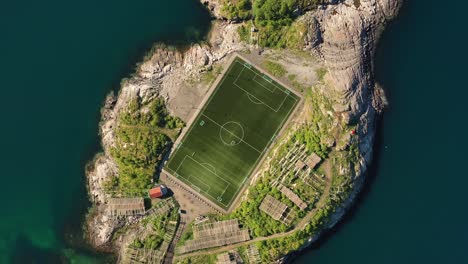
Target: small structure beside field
{"x": 126, "y": 206}
{"x": 157, "y": 192}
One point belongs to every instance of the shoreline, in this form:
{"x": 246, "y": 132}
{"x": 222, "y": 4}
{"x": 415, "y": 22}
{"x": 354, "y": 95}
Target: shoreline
{"x": 112, "y": 106}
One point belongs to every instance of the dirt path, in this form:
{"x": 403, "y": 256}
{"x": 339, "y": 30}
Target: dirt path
{"x": 170, "y": 251}
{"x": 298, "y": 227}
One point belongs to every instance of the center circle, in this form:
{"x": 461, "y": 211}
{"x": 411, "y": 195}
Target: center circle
{"x": 231, "y": 133}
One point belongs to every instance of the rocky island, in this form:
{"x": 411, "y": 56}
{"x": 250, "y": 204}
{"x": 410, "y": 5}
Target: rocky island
{"x": 303, "y": 178}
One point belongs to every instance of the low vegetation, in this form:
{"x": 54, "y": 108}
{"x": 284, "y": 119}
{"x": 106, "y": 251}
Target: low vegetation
{"x": 143, "y": 136}
{"x": 340, "y": 191}
{"x": 202, "y": 259}
{"x": 321, "y": 74}
{"x": 211, "y": 74}
{"x": 244, "y": 32}
{"x": 274, "y": 20}
{"x": 316, "y": 134}
{"x": 274, "y": 68}
{"x": 237, "y": 9}
{"x": 158, "y": 231}
{"x": 249, "y": 214}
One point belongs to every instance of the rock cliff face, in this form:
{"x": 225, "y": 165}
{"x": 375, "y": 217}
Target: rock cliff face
{"x": 343, "y": 34}
{"x": 165, "y": 72}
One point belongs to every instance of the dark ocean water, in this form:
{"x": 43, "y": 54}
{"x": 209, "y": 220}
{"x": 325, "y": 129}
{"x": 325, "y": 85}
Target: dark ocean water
{"x": 415, "y": 207}
{"x": 58, "y": 60}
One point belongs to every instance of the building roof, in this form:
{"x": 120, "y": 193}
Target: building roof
{"x": 273, "y": 207}
{"x": 300, "y": 165}
{"x": 293, "y": 197}
{"x": 157, "y": 192}
{"x": 313, "y": 160}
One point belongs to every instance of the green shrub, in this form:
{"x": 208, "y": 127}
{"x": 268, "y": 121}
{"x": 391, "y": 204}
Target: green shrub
{"x": 244, "y": 33}
{"x": 240, "y": 9}
{"x": 274, "y": 68}
{"x": 140, "y": 145}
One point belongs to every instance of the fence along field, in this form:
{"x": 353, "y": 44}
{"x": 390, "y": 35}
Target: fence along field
{"x": 231, "y": 133}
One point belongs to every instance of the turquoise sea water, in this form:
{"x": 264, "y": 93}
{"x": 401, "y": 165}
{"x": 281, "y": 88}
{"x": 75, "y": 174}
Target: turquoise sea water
{"x": 415, "y": 207}
{"x": 58, "y": 60}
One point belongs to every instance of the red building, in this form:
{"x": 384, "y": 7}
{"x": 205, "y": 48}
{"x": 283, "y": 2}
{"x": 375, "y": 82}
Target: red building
{"x": 157, "y": 192}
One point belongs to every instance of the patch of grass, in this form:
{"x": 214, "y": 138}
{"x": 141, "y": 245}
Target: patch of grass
{"x": 203, "y": 259}
{"x": 321, "y": 74}
{"x": 292, "y": 77}
{"x": 293, "y": 37}
{"x": 274, "y": 68}
{"x": 211, "y": 74}
{"x": 275, "y": 18}
{"x": 159, "y": 230}
{"x": 141, "y": 141}
{"x": 357, "y": 3}
{"x": 244, "y": 33}
{"x": 236, "y": 9}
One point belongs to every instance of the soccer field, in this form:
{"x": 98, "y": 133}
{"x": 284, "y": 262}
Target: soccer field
{"x": 231, "y": 133}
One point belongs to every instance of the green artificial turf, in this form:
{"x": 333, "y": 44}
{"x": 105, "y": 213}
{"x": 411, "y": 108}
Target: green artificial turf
{"x": 231, "y": 133}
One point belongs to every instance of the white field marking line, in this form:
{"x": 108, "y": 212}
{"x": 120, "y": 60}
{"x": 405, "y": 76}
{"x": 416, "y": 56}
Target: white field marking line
{"x": 199, "y": 188}
{"x": 284, "y": 120}
{"x": 274, "y": 110}
{"x": 239, "y": 185}
{"x": 198, "y": 118}
{"x": 232, "y": 134}
{"x": 274, "y": 86}
{"x": 193, "y": 124}
{"x": 205, "y": 164}
{"x": 180, "y": 165}
{"x": 259, "y": 156}
{"x": 196, "y": 188}
{"x": 252, "y": 100}
{"x": 224, "y": 129}
{"x": 285, "y": 90}
{"x": 247, "y": 92}
{"x": 222, "y": 178}
{"x": 216, "y": 200}
{"x": 224, "y": 191}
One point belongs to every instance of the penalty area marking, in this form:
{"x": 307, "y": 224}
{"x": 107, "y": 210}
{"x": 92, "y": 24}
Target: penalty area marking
{"x": 206, "y": 190}
{"x": 267, "y": 105}
{"x": 205, "y": 164}
{"x": 253, "y": 100}
{"x": 228, "y": 184}
{"x": 268, "y": 80}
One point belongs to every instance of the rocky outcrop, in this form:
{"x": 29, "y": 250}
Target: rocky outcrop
{"x": 342, "y": 34}
{"x": 214, "y": 6}
{"x": 165, "y": 72}
{"x": 349, "y": 37}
